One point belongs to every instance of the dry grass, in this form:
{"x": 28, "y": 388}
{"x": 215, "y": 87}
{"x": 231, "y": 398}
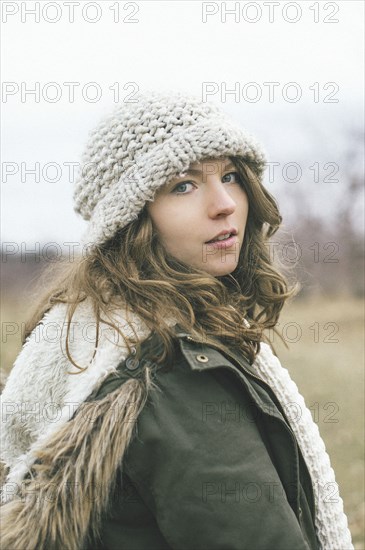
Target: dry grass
{"x": 329, "y": 374}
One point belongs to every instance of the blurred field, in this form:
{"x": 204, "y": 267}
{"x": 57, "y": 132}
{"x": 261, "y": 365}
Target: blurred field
{"x": 329, "y": 373}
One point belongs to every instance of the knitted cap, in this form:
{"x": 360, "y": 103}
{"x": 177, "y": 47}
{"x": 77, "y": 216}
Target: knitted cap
{"x": 141, "y": 146}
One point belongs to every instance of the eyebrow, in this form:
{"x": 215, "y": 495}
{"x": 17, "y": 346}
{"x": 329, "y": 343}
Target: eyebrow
{"x": 197, "y": 172}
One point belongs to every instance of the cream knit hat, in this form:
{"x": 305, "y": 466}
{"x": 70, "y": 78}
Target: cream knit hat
{"x": 143, "y": 144}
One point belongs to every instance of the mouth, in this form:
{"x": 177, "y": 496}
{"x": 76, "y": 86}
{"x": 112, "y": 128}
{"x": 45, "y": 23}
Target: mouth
{"x": 223, "y": 237}
{"x": 224, "y": 241}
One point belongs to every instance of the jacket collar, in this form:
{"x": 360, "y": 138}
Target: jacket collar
{"x": 217, "y": 354}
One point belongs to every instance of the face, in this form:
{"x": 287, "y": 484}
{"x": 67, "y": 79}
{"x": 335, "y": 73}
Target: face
{"x": 201, "y": 217}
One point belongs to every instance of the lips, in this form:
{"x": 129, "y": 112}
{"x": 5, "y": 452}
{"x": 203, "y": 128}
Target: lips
{"x": 223, "y": 235}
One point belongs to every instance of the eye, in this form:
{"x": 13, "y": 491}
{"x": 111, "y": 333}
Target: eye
{"x": 236, "y": 177}
{"x": 180, "y": 188}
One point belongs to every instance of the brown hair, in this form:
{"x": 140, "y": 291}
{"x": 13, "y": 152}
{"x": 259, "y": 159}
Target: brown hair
{"x": 133, "y": 269}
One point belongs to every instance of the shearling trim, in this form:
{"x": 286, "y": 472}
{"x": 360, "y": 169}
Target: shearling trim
{"x": 40, "y": 396}
{"x": 60, "y": 505}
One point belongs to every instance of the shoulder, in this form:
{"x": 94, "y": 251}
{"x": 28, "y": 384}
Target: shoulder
{"x": 94, "y": 349}
{"x": 44, "y": 388}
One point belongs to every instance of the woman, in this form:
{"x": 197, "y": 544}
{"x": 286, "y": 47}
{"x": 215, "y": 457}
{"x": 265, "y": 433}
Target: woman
{"x": 145, "y": 411}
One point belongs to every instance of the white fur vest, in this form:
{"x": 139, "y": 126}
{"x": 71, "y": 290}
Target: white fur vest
{"x": 45, "y": 418}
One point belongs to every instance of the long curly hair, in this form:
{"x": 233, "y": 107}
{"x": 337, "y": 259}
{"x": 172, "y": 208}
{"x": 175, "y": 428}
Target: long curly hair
{"x": 134, "y": 270}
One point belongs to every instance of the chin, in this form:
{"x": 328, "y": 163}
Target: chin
{"x": 221, "y": 270}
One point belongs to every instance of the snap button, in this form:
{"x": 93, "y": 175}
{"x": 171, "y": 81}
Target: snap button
{"x": 202, "y": 358}
{"x": 132, "y": 364}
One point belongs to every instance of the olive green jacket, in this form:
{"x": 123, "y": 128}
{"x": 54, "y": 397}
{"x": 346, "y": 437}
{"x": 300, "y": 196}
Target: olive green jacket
{"x": 214, "y": 465}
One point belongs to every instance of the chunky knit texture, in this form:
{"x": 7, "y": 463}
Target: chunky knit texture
{"x": 40, "y": 398}
{"x": 141, "y": 145}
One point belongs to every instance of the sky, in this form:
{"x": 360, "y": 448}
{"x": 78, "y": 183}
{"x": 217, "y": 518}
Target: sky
{"x": 296, "y": 69}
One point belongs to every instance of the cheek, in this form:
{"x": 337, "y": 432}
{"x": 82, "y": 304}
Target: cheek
{"x": 161, "y": 217}
{"x": 155, "y": 211}
{"x": 242, "y": 202}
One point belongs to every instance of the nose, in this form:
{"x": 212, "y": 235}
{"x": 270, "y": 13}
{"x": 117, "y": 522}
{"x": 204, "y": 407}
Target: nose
{"x": 220, "y": 202}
